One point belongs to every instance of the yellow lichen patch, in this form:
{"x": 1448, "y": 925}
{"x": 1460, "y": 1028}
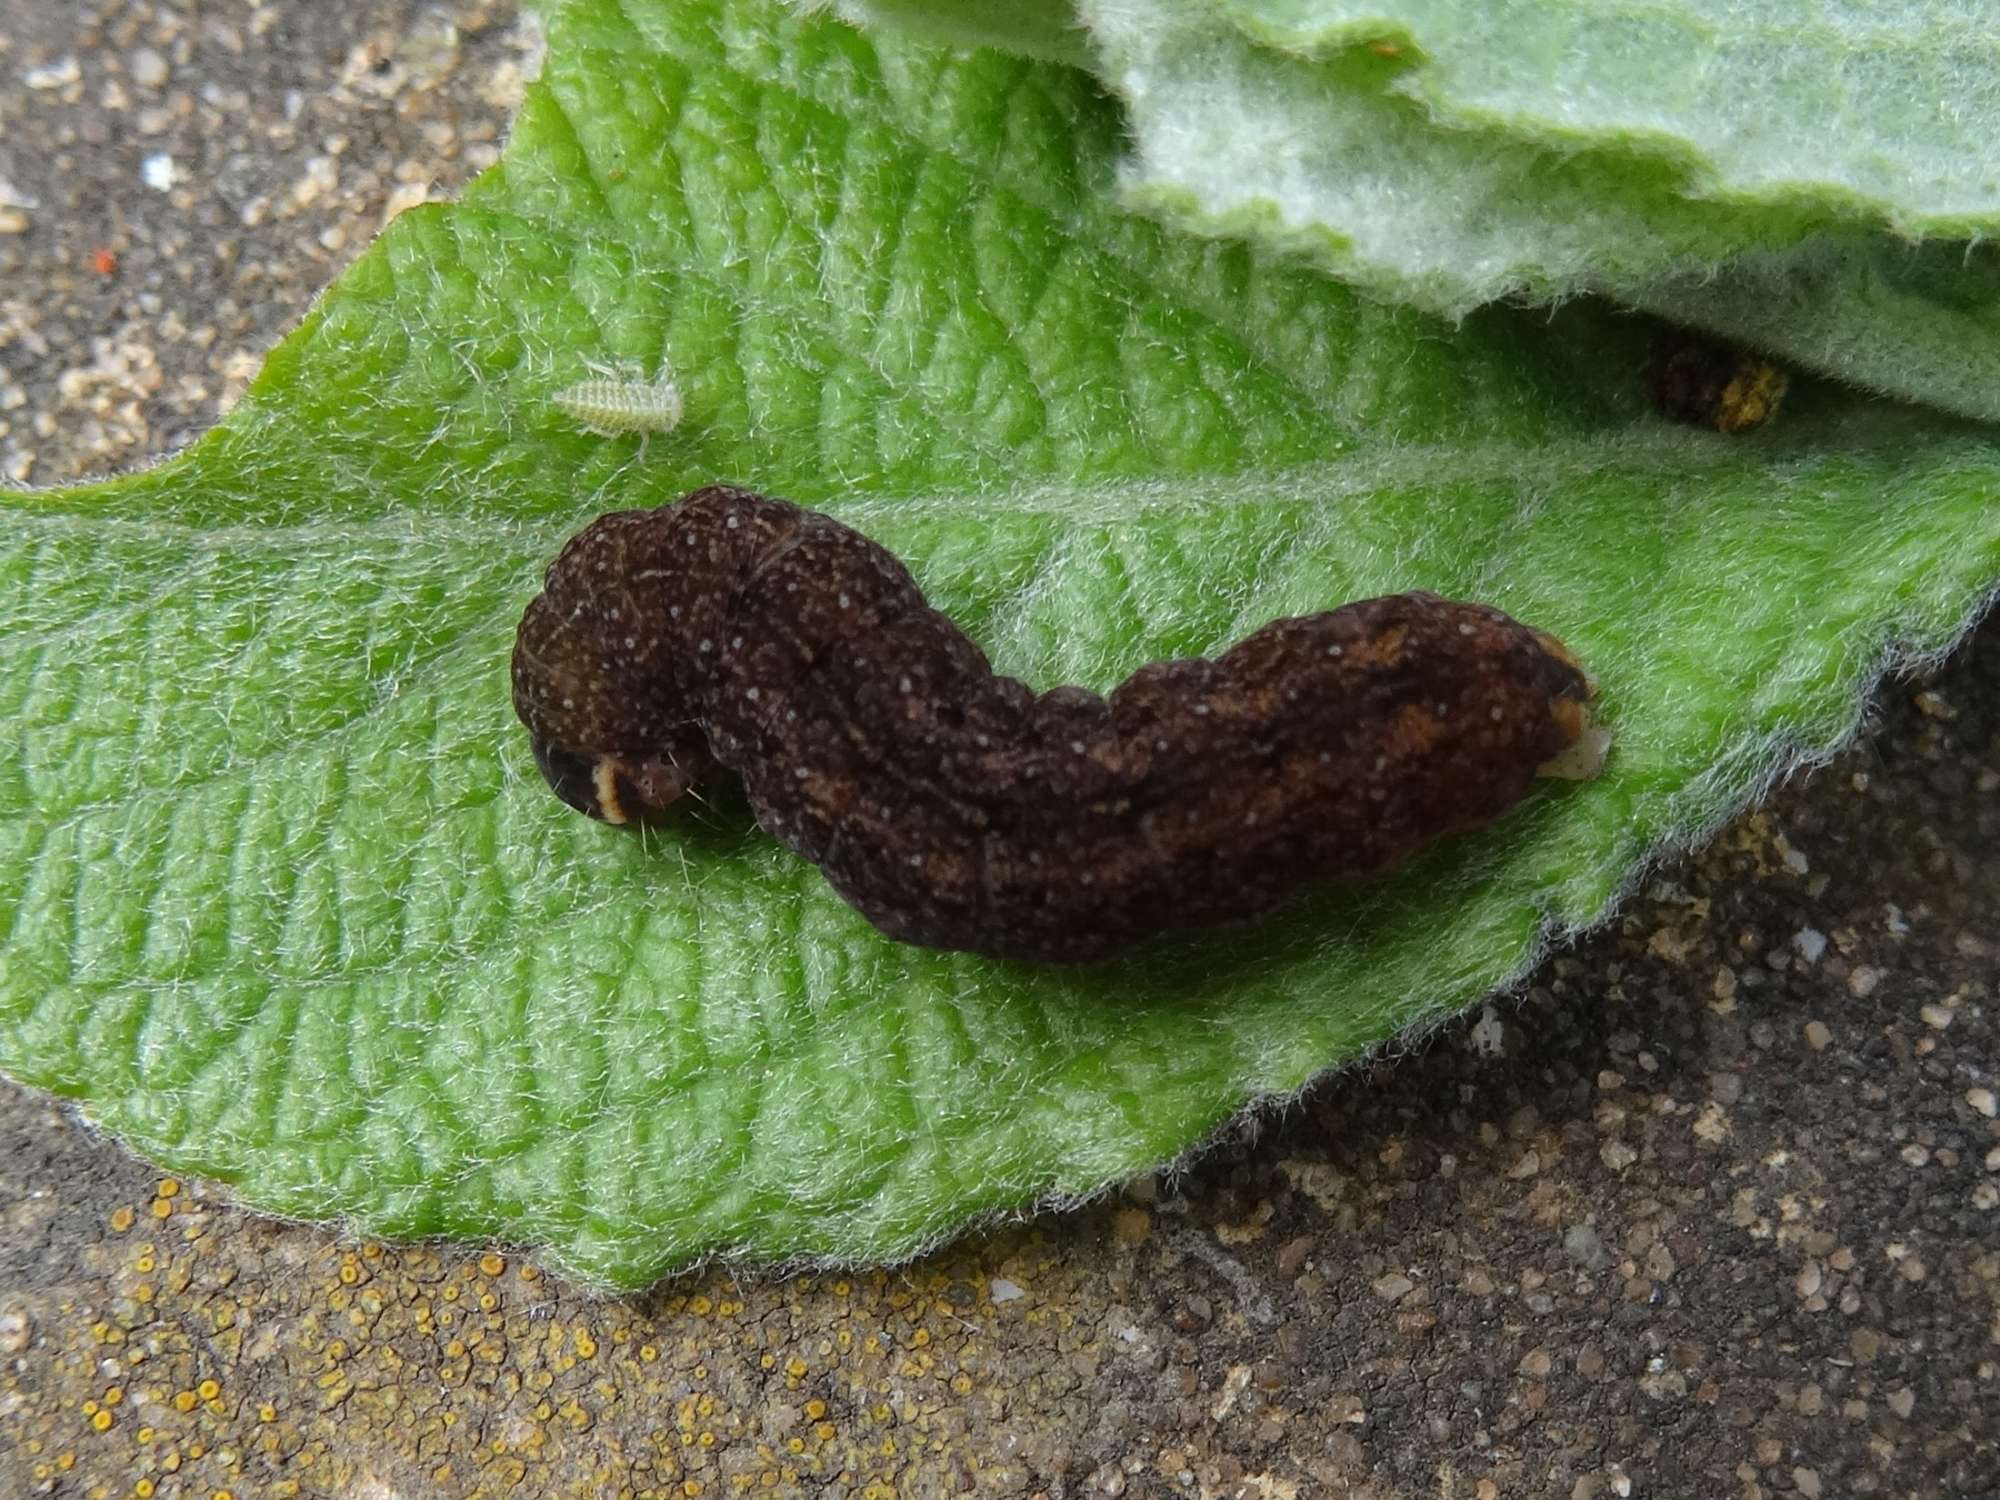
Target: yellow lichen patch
{"x": 1131, "y": 1226}
{"x": 449, "y": 1369}
{"x": 122, "y": 1219}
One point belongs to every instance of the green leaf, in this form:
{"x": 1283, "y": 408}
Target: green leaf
{"x": 1878, "y": 108}
{"x": 1044, "y": 29}
{"x": 284, "y": 901}
{"x": 1721, "y": 165}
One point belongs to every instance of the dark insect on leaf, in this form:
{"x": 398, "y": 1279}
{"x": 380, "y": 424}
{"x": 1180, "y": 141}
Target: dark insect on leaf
{"x": 957, "y": 808}
{"x": 1706, "y": 382}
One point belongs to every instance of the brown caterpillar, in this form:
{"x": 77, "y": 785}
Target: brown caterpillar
{"x": 960, "y": 809}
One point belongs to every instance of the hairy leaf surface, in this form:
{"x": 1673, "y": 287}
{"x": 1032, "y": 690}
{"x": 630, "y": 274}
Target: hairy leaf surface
{"x": 284, "y": 901}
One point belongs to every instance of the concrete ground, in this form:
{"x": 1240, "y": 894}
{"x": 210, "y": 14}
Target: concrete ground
{"x": 1714, "y": 1210}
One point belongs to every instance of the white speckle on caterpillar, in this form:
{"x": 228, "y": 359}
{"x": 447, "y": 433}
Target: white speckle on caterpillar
{"x": 612, "y": 405}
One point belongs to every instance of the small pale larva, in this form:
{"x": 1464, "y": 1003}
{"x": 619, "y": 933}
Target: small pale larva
{"x": 614, "y": 403}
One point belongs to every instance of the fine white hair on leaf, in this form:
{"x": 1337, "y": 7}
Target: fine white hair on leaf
{"x": 614, "y": 403}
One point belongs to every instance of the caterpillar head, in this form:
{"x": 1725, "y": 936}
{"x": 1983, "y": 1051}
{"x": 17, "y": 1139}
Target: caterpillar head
{"x": 609, "y": 731}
